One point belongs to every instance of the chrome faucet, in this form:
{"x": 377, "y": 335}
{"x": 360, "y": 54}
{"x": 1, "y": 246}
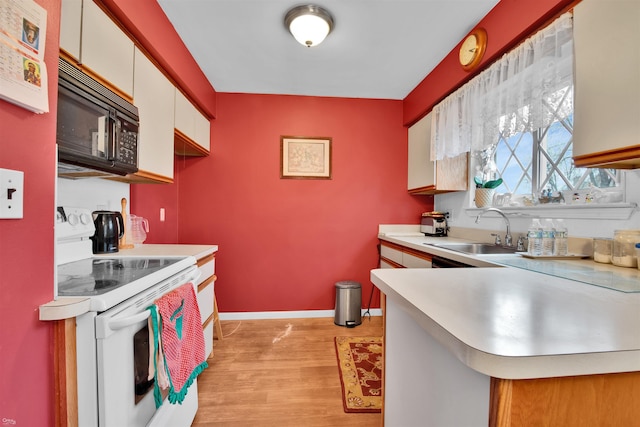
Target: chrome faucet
{"x": 508, "y": 240}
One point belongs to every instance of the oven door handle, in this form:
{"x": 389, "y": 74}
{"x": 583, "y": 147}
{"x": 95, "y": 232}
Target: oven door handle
{"x": 121, "y": 323}
{"x": 117, "y": 324}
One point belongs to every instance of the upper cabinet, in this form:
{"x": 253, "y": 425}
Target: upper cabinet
{"x": 607, "y": 84}
{"x": 429, "y": 177}
{"x": 192, "y": 129}
{"x": 169, "y": 123}
{"x": 97, "y": 44}
{"x": 153, "y": 95}
{"x": 71, "y": 27}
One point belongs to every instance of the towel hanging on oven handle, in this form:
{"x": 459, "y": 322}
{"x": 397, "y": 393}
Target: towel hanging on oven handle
{"x": 117, "y": 324}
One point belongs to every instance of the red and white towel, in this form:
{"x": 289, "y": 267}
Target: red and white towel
{"x": 178, "y": 342}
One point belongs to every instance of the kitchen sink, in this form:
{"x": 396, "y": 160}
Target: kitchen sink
{"x": 475, "y": 248}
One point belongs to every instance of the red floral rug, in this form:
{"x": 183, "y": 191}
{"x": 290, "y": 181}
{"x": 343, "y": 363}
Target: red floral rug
{"x": 360, "y": 368}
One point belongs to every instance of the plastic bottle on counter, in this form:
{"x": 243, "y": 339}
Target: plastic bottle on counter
{"x": 561, "y": 239}
{"x": 548, "y": 237}
{"x": 534, "y": 236}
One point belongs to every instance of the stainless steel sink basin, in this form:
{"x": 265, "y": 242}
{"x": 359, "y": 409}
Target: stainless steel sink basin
{"x": 476, "y": 248}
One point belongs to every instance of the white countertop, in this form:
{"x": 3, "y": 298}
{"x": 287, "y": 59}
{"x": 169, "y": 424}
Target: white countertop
{"x": 152, "y": 250}
{"x": 511, "y": 323}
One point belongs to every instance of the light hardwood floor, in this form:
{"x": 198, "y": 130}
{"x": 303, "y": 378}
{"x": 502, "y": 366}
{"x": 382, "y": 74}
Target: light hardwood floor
{"x": 280, "y": 372}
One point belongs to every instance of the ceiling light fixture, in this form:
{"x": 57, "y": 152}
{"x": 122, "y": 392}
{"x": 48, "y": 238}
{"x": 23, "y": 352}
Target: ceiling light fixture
{"x": 309, "y": 24}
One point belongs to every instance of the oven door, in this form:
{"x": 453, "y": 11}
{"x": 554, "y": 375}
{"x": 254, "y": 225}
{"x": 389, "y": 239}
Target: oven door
{"x": 125, "y": 393}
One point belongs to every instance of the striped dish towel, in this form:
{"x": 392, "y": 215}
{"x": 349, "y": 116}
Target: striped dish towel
{"x": 178, "y": 341}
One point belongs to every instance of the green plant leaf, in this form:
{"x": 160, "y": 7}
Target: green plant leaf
{"x": 493, "y": 184}
{"x": 478, "y": 181}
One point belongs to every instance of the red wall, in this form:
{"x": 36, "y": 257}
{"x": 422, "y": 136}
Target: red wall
{"x": 146, "y": 201}
{"x": 27, "y": 143}
{"x": 285, "y": 242}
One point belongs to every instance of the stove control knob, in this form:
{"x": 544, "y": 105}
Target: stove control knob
{"x": 72, "y": 219}
{"x": 84, "y": 218}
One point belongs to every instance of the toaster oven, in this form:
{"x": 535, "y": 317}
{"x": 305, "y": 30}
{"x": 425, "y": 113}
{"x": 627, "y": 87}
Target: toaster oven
{"x": 434, "y": 223}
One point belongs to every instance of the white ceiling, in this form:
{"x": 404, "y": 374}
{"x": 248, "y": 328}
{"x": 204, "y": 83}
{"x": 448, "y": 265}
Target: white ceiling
{"x": 378, "y": 48}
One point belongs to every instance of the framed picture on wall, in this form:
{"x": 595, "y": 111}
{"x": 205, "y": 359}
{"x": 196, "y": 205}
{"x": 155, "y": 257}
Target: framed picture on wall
{"x": 305, "y": 157}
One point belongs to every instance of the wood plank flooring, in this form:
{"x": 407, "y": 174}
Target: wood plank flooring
{"x": 279, "y": 372}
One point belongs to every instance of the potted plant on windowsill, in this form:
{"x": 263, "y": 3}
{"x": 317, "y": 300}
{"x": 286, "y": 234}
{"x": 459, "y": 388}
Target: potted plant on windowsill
{"x": 485, "y": 191}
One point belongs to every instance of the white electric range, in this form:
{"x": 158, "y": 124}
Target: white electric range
{"x": 112, "y": 340}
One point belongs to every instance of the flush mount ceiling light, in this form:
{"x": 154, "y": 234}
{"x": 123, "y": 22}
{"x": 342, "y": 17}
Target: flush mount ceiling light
{"x": 309, "y": 24}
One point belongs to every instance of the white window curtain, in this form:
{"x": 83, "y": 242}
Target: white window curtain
{"x": 520, "y": 92}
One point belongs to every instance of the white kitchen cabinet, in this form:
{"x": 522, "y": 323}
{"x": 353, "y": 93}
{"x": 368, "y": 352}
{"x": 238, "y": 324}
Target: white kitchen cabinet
{"x": 192, "y": 129}
{"x": 391, "y": 253}
{"x": 430, "y": 177}
{"x": 203, "y": 131}
{"x": 607, "y": 84}
{"x": 410, "y": 260}
{"x": 396, "y": 256}
{"x": 207, "y": 302}
{"x": 153, "y": 95}
{"x": 384, "y": 264}
{"x": 105, "y": 49}
{"x": 97, "y": 44}
{"x": 71, "y": 27}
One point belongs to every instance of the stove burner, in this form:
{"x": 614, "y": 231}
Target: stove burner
{"x": 105, "y": 283}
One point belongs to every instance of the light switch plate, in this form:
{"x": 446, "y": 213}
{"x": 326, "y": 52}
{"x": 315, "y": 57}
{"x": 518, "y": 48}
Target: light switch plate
{"x": 11, "y": 194}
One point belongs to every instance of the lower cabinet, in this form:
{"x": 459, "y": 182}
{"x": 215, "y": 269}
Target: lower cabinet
{"x": 206, "y": 302}
{"x": 598, "y": 400}
{"x": 396, "y": 256}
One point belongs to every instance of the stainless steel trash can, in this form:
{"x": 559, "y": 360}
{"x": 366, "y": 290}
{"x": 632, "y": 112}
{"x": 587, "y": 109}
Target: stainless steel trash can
{"x": 348, "y": 310}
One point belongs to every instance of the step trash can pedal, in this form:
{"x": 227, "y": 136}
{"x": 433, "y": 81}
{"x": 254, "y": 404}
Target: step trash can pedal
{"x": 348, "y": 309}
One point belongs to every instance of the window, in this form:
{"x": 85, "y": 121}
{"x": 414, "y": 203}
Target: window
{"x": 516, "y": 119}
{"x": 539, "y": 162}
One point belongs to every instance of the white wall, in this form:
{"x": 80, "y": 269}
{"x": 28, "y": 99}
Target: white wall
{"x": 458, "y": 203}
{"x": 92, "y": 193}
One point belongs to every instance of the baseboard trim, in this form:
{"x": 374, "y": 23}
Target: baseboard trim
{"x": 260, "y": 315}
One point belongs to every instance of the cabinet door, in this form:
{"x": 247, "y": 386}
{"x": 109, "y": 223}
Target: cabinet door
{"x": 203, "y": 131}
{"x": 426, "y": 176}
{"x": 184, "y": 116}
{"x": 192, "y": 128}
{"x": 391, "y": 254}
{"x": 70, "y": 27}
{"x": 414, "y": 261}
{"x": 452, "y": 174}
{"x": 421, "y": 168}
{"x": 384, "y": 264}
{"x": 607, "y": 83}
{"x": 153, "y": 95}
{"x": 105, "y": 49}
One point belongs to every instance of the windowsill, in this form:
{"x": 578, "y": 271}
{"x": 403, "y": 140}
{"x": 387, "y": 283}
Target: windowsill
{"x": 621, "y": 211}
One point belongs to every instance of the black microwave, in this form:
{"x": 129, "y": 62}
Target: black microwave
{"x": 97, "y": 130}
